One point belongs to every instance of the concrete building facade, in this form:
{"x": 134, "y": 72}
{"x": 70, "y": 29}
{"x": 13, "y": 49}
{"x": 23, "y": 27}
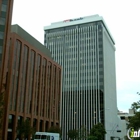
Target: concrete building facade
{"x": 86, "y": 50}
{"x": 33, "y": 85}
{"x": 123, "y": 122}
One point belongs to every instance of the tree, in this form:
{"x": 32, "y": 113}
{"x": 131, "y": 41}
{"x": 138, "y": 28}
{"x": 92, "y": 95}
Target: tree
{"x": 126, "y": 138}
{"x": 82, "y": 133}
{"x": 98, "y": 132}
{"x": 135, "y": 120}
{"x": 73, "y": 134}
{"x": 2, "y": 92}
{"x": 24, "y": 129}
{"x": 1, "y": 109}
{"x": 54, "y": 129}
{"x": 2, "y": 106}
{"x": 136, "y": 106}
{"x": 92, "y": 138}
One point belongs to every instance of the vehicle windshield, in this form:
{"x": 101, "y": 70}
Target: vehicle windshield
{"x": 42, "y": 137}
{"x": 37, "y": 136}
{"x": 45, "y": 137}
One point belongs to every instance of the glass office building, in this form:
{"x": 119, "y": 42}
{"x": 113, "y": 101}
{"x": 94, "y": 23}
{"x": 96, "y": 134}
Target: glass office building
{"x": 85, "y": 49}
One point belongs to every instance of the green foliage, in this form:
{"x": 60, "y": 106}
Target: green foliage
{"x": 73, "y": 134}
{"x": 136, "y": 138}
{"x": 24, "y": 130}
{"x": 1, "y": 108}
{"x": 134, "y": 121}
{"x": 55, "y": 129}
{"x": 126, "y": 138}
{"x": 82, "y": 133}
{"x": 92, "y": 138}
{"x": 136, "y": 106}
{"x": 98, "y": 132}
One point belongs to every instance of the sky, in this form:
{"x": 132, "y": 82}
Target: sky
{"x": 122, "y": 18}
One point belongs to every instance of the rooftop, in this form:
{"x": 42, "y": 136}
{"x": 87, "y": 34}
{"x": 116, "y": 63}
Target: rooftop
{"x": 30, "y": 39}
{"x": 80, "y": 20}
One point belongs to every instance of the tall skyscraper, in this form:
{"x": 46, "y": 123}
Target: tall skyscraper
{"x": 85, "y": 49}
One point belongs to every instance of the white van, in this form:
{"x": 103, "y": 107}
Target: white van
{"x": 46, "y": 136}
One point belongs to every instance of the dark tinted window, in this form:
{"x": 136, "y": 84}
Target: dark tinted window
{"x": 122, "y": 118}
{"x": 37, "y": 136}
{"x": 43, "y": 137}
{"x": 56, "y": 30}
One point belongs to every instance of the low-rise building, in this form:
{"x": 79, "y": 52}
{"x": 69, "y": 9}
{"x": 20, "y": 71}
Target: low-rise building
{"x": 123, "y": 121}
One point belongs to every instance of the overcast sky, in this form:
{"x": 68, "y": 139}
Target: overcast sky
{"x": 122, "y": 18}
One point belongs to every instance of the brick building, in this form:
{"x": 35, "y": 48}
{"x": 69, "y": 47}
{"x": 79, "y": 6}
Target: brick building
{"x": 33, "y": 84}
{"x": 6, "y": 7}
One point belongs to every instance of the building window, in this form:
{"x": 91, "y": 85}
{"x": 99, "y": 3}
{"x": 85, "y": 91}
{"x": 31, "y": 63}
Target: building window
{"x": 1, "y": 35}
{"x": 2, "y": 21}
{"x": 4, "y": 8}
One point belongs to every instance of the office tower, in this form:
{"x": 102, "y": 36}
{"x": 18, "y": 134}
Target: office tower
{"x": 85, "y": 49}
{"x": 33, "y": 84}
{"x": 5, "y": 24}
{"x": 6, "y": 7}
